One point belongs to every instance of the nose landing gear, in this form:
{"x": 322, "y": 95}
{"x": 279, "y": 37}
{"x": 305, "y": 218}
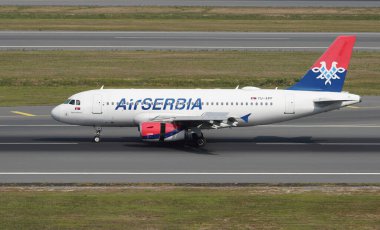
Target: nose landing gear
{"x": 97, "y": 134}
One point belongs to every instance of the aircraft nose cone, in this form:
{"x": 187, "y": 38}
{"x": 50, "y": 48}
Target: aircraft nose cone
{"x": 56, "y": 113}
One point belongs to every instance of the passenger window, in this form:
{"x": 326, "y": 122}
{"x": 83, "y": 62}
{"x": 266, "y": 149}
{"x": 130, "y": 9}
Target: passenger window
{"x": 226, "y": 103}
{"x": 216, "y": 103}
{"x": 72, "y": 102}
{"x": 237, "y": 103}
{"x": 221, "y": 103}
{"x": 246, "y": 103}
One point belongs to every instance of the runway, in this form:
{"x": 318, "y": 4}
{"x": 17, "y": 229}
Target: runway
{"x": 86, "y": 40}
{"x": 340, "y": 146}
{"x": 237, "y": 3}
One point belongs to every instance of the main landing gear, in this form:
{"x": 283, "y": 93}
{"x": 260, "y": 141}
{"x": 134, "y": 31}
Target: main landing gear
{"x": 97, "y": 134}
{"x": 195, "y": 138}
{"x": 200, "y": 141}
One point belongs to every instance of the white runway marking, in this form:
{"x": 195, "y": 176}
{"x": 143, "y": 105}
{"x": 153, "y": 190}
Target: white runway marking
{"x": 283, "y": 143}
{"x": 176, "y": 47}
{"x": 323, "y": 126}
{"x": 214, "y": 38}
{"x": 36, "y": 143}
{"x": 38, "y": 125}
{"x": 317, "y": 143}
{"x": 182, "y": 173}
{"x": 351, "y": 143}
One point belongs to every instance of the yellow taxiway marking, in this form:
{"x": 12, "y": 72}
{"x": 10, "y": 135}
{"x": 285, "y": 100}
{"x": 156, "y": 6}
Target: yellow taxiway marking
{"x": 23, "y": 114}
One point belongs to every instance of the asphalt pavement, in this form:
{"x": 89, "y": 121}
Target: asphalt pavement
{"x": 139, "y": 40}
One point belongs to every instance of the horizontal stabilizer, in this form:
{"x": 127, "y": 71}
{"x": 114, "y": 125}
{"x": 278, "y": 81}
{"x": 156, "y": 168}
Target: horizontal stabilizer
{"x": 324, "y": 100}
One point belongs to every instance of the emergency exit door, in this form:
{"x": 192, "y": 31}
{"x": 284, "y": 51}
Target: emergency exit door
{"x": 289, "y": 104}
{"x": 97, "y": 104}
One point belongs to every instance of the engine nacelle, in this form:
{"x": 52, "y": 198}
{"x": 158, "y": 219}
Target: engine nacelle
{"x": 157, "y": 131}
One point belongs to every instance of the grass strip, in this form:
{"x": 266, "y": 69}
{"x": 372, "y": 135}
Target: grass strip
{"x": 190, "y": 18}
{"x": 166, "y": 207}
{"x": 48, "y": 77}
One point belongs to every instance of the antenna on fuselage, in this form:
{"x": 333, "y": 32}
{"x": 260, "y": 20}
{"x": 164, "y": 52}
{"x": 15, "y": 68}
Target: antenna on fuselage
{"x": 102, "y": 87}
{"x": 237, "y": 87}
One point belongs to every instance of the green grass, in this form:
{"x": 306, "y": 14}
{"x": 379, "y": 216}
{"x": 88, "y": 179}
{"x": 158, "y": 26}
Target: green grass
{"x": 48, "y": 77}
{"x": 190, "y": 18}
{"x": 190, "y": 208}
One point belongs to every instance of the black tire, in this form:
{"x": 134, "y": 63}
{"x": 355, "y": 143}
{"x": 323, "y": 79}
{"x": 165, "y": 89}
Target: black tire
{"x": 200, "y": 142}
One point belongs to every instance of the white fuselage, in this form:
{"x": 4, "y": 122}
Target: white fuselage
{"x": 113, "y": 107}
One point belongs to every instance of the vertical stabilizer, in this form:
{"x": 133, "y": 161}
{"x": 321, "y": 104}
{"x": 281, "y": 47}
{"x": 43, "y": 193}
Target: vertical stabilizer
{"x": 329, "y": 71}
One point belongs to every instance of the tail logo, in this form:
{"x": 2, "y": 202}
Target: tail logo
{"x": 328, "y": 74}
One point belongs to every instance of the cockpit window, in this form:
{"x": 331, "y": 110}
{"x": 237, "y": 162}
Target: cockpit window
{"x": 67, "y": 101}
{"x": 72, "y": 102}
{"x": 78, "y": 102}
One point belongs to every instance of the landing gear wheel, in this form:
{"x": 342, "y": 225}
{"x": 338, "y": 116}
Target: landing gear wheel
{"x": 96, "y": 139}
{"x": 194, "y": 138}
{"x": 200, "y": 142}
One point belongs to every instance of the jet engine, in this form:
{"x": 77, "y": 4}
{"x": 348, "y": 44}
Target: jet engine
{"x": 157, "y": 131}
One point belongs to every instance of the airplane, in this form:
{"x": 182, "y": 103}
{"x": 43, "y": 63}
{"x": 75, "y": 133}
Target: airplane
{"x": 166, "y": 115}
